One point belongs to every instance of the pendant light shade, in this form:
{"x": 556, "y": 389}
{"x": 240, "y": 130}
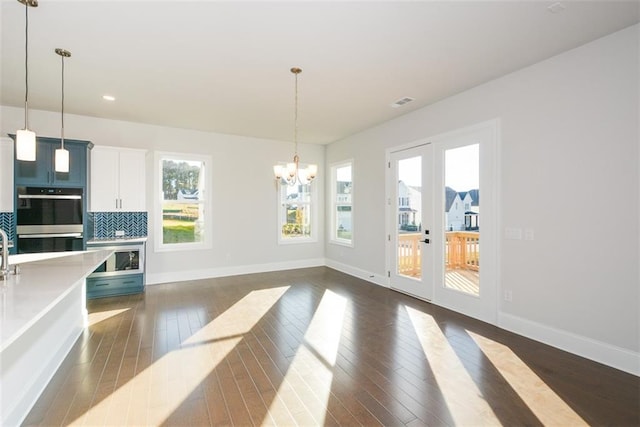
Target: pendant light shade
{"x": 62, "y": 160}
{"x": 62, "y": 155}
{"x": 26, "y": 139}
{"x": 26, "y": 145}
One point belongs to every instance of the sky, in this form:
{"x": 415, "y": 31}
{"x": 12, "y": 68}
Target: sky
{"x": 461, "y": 169}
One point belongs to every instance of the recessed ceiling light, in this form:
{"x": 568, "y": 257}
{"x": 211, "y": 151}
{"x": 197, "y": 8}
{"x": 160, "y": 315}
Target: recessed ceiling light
{"x": 556, "y": 7}
{"x": 108, "y": 98}
{"x": 402, "y": 101}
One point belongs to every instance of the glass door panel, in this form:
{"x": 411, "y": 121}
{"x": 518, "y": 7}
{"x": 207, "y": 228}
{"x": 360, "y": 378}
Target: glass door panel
{"x": 462, "y": 219}
{"x": 409, "y": 239}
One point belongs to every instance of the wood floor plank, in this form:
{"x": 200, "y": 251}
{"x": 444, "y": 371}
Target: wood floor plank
{"x": 376, "y": 357}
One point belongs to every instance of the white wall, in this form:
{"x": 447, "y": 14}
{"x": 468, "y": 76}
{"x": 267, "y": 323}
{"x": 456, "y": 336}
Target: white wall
{"x": 244, "y": 205}
{"x": 569, "y": 131}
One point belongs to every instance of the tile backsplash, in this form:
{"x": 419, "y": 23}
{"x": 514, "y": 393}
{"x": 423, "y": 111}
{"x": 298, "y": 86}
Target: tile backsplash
{"x": 103, "y": 225}
{"x": 6, "y": 223}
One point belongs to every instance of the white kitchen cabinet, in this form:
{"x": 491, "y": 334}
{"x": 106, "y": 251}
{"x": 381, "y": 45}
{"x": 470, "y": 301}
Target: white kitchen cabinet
{"x": 117, "y": 179}
{"x": 6, "y": 175}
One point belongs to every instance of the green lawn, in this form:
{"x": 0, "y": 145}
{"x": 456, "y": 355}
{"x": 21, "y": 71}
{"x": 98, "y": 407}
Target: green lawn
{"x": 176, "y": 231}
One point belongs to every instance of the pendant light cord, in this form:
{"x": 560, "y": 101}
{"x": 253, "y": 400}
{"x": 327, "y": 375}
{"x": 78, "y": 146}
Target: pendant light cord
{"x": 62, "y": 109}
{"x": 26, "y": 65}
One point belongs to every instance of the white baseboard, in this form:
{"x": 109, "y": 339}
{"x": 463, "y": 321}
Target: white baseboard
{"x": 209, "y": 273}
{"x": 607, "y": 354}
{"x": 356, "y": 272}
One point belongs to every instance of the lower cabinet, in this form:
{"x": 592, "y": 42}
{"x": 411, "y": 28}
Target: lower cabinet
{"x": 98, "y": 287}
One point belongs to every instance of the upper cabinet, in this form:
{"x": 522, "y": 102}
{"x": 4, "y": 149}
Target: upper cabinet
{"x": 41, "y": 172}
{"x": 117, "y": 180}
{"x": 6, "y": 175}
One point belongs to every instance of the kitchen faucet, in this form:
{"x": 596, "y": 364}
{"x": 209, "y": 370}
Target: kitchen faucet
{"x": 5, "y": 254}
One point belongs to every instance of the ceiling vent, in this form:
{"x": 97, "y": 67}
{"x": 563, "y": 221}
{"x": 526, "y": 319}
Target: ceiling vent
{"x": 556, "y": 7}
{"x": 402, "y": 101}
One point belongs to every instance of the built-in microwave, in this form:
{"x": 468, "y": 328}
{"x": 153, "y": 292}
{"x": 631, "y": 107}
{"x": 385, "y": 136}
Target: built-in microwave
{"x": 125, "y": 259}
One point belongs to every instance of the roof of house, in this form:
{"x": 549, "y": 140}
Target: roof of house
{"x": 450, "y": 195}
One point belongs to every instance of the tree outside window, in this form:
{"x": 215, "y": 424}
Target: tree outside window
{"x": 183, "y": 205}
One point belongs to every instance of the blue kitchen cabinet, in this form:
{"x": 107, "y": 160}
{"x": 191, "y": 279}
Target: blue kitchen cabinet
{"x": 99, "y": 287}
{"x": 122, "y": 273}
{"x": 41, "y": 172}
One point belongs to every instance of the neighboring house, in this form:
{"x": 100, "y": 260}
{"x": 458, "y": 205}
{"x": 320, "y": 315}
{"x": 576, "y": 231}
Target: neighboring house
{"x": 462, "y": 209}
{"x": 343, "y": 195}
{"x": 409, "y": 207}
{"x": 186, "y": 195}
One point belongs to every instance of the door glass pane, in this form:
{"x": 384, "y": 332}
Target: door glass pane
{"x": 409, "y": 217}
{"x": 462, "y": 219}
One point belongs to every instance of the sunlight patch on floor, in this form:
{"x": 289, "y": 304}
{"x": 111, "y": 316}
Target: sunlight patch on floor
{"x": 170, "y": 380}
{"x": 99, "y": 316}
{"x": 451, "y": 375}
{"x": 548, "y": 407}
{"x": 310, "y": 373}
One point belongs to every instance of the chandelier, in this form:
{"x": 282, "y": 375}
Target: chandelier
{"x": 292, "y": 173}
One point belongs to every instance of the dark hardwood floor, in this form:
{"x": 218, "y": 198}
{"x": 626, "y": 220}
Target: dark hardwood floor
{"x": 317, "y": 347}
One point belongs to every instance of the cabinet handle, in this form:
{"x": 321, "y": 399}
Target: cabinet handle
{"x": 102, "y": 284}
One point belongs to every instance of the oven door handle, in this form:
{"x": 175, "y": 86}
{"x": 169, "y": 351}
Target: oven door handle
{"x": 52, "y": 196}
{"x": 41, "y": 236}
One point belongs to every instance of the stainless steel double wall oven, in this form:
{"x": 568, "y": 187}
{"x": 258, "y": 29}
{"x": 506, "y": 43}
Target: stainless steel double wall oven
{"x": 49, "y": 219}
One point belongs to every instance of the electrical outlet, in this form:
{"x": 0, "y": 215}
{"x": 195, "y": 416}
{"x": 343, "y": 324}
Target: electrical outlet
{"x": 528, "y": 234}
{"x": 513, "y": 233}
{"x": 119, "y": 233}
{"x": 508, "y": 295}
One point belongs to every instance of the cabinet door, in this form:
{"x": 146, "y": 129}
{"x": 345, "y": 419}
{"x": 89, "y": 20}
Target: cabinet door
{"x": 132, "y": 180}
{"x": 76, "y": 177}
{"x": 104, "y": 180}
{"x": 41, "y": 172}
{"x": 38, "y": 172}
{"x": 6, "y": 175}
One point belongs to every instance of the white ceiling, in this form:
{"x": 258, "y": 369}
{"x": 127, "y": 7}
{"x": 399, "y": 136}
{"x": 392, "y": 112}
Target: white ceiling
{"x": 223, "y": 66}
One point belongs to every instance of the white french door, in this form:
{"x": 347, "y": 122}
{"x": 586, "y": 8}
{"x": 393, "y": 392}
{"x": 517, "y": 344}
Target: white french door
{"x": 410, "y": 176}
{"x": 436, "y": 218}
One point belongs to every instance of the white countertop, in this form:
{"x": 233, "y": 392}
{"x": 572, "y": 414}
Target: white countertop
{"x": 43, "y": 281}
{"x": 116, "y": 240}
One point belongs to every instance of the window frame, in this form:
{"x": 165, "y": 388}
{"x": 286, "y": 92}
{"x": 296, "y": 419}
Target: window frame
{"x": 333, "y": 205}
{"x": 313, "y": 209}
{"x": 206, "y": 160}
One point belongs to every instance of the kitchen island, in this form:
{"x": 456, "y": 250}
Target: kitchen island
{"x": 42, "y": 314}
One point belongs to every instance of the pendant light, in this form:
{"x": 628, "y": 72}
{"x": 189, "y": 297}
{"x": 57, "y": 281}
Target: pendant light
{"x": 62, "y": 155}
{"x": 25, "y": 138}
{"x": 292, "y": 173}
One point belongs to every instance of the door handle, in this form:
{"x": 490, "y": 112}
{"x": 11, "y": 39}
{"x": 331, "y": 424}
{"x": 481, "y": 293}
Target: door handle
{"x": 426, "y": 241}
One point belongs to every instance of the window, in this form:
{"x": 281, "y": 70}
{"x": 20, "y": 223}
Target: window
{"x": 342, "y": 204}
{"x": 182, "y": 205}
{"x": 296, "y": 216}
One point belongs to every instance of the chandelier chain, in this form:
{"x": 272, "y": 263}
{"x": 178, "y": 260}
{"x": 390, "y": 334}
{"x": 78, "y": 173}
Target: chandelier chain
{"x": 295, "y": 118}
